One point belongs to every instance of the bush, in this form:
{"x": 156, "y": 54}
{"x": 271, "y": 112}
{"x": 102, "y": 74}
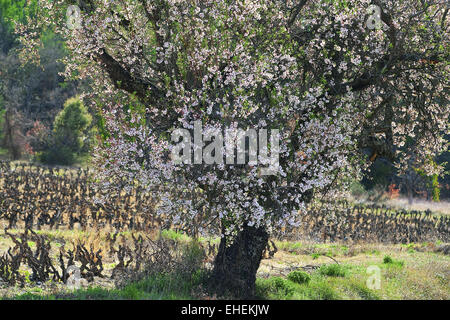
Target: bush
{"x": 379, "y": 176}
{"x": 333, "y": 270}
{"x": 72, "y": 136}
{"x": 299, "y": 277}
{"x": 54, "y": 155}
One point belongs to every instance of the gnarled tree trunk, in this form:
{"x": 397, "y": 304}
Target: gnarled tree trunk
{"x": 236, "y": 265}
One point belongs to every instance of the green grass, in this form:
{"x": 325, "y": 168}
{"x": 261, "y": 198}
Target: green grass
{"x": 288, "y": 246}
{"x": 418, "y": 275}
{"x": 174, "y": 235}
{"x": 278, "y": 288}
{"x": 158, "y": 287}
{"x": 331, "y": 282}
{"x": 333, "y": 270}
{"x": 298, "y": 285}
{"x": 387, "y": 260}
{"x": 315, "y": 250}
{"x": 422, "y": 274}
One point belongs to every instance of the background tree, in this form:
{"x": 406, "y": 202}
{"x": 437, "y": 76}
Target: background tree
{"x": 72, "y": 135}
{"x": 331, "y": 82}
{"x": 35, "y": 92}
{"x": 11, "y": 11}
{"x": 444, "y": 181}
{"x": 12, "y": 138}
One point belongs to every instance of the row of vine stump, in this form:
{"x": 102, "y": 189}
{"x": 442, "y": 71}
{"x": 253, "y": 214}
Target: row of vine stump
{"x": 36, "y": 197}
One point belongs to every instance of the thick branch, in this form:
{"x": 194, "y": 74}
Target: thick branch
{"x": 122, "y": 79}
{"x": 296, "y": 10}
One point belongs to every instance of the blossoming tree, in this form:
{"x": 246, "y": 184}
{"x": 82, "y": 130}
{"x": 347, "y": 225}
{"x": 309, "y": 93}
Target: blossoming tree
{"x": 332, "y": 76}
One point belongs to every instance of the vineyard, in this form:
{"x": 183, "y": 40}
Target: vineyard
{"x": 37, "y": 202}
{"x": 223, "y": 149}
{"x": 37, "y": 196}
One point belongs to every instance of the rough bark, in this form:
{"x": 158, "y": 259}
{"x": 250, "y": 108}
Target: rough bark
{"x": 13, "y": 139}
{"x": 236, "y": 265}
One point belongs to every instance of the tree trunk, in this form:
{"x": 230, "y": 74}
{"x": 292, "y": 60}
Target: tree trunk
{"x": 410, "y": 195}
{"x": 236, "y": 265}
{"x": 11, "y": 134}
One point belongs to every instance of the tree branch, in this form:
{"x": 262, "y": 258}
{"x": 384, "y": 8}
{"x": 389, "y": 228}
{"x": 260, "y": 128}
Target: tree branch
{"x": 123, "y": 80}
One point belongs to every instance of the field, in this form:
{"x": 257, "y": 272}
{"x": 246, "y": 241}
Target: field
{"x": 417, "y": 271}
{"x": 48, "y": 222}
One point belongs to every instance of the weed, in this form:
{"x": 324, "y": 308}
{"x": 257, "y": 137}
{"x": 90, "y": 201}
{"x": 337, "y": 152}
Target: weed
{"x": 315, "y": 255}
{"x": 333, "y": 270}
{"x": 391, "y": 262}
{"x": 174, "y": 235}
{"x": 299, "y": 277}
{"x": 274, "y": 288}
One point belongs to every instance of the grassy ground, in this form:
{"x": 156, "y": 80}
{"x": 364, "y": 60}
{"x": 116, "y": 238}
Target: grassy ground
{"x": 412, "y": 271}
{"x": 299, "y": 270}
{"x": 160, "y": 287}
